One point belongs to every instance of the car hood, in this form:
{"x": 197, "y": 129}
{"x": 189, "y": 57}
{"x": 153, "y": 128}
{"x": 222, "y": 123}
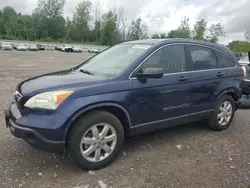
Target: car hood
{"x": 58, "y": 80}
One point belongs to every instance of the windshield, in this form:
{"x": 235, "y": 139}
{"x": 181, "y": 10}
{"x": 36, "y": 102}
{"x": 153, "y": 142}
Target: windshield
{"x": 114, "y": 60}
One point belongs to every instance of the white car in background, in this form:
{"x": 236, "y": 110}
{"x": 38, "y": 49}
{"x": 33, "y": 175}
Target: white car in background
{"x": 91, "y": 50}
{"x": 6, "y": 46}
{"x": 33, "y": 47}
{"x": 21, "y": 47}
{"x": 97, "y": 50}
{"x": 244, "y": 60}
{"x": 77, "y": 49}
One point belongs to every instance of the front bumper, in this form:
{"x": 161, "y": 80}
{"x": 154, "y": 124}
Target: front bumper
{"x": 30, "y": 135}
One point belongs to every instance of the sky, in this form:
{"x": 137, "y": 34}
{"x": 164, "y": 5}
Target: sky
{"x": 165, "y": 15}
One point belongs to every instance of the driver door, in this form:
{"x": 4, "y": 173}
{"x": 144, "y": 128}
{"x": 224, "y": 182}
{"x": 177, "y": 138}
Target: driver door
{"x": 163, "y": 102}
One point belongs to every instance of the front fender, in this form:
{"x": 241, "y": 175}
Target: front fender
{"x": 74, "y": 109}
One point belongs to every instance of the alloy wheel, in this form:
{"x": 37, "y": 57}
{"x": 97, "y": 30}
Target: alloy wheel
{"x": 98, "y": 142}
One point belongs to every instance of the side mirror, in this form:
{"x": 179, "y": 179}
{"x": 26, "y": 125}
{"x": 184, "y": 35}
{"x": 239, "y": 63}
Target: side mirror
{"x": 150, "y": 73}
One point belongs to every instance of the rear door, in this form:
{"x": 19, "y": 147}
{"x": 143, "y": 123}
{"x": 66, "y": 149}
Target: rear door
{"x": 163, "y": 102}
{"x": 234, "y": 72}
{"x": 207, "y": 80}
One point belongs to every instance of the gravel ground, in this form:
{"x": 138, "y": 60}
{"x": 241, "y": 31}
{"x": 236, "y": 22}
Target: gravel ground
{"x": 184, "y": 156}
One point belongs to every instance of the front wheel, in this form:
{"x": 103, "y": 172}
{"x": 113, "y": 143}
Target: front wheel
{"x": 95, "y": 140}
{"x": 223, "y": 113}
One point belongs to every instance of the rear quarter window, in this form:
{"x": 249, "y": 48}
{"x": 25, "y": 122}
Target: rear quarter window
{"x": 224, "y": 60}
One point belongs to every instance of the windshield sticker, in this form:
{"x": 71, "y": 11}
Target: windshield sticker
{"x": 141, "y": 46}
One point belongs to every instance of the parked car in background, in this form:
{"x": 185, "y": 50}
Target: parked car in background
{"x": 77, "y": 49}
{"x": 245, "y": 63}
{"x": 33, "y": 47}
{"x": 14, "y": 46}
{"x": 97, "y": 50}
{"x": 244, "y": 60}
{"x": 41, "y": 47}
{"x": 129, "y": 89}
{"x": 90, "y": 50}
{"x": 68, "y": 49}
{"x": 238, "y": 55}
{"x": 21, "y": 47}
{"x": 6, "y": 46}
{"x": 59, "y": 48}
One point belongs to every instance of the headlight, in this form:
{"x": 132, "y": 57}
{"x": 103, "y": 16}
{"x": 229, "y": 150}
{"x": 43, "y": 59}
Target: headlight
{"x": 48, "y": 100}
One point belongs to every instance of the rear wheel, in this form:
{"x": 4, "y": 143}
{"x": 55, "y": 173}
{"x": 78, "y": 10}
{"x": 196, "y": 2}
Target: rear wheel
{"x": 223, "y": 114}
{"x": 95, "y": 141}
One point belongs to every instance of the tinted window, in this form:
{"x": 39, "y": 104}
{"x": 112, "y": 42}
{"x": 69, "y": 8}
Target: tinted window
{"x": 202, "y": 58}
{"x": 171, "y": 59}
{"x": 224, "y": 61}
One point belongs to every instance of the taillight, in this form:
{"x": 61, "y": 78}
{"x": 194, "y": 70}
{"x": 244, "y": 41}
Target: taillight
{"x": 244, "y": 72}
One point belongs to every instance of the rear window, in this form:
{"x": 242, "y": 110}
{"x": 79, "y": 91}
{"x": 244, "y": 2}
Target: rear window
{"x": 224, "y": 61}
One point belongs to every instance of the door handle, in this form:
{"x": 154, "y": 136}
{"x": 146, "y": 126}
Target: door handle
{"x": 219, "y": 74}
{"x": 182, "y": 78}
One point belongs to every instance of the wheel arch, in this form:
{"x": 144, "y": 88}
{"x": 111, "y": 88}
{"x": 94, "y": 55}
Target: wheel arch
{"x": 116, "y": 109}
{"x": 233, "y": 92}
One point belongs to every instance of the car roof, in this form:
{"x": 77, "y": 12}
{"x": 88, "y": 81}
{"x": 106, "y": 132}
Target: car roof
{"x": 181, "y": 40}
{"x": 146, "y": 41}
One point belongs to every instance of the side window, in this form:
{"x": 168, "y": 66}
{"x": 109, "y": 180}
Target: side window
{"x": 203, "y": 58}
{"x": 224, "y": 61}
{"x": 171, "y": 59}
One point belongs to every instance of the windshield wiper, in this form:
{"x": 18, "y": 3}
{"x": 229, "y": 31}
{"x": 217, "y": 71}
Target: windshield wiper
{"x": 86, "y": 72}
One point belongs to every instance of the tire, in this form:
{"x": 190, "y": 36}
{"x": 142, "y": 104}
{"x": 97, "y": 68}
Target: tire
{"x": 84, "y": 127}
{"x": 214, "y": 122}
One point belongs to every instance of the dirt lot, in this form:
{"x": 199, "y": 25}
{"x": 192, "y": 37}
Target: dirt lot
{"x": 185, "y": 156}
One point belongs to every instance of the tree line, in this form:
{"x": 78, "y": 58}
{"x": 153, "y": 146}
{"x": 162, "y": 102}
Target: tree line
{"x": 89, "y": 24}
{"x": 241, "y": 46}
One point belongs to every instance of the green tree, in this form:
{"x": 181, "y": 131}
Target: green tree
{"x": 97, "y": 31}
{"x": 2, "y": 31}
{"x": 199, "y": 30}
{"x": 137, "y": 30}
{"x": 48, "y": 19}
{"x": 215, "y": 31}
{"x": 239, "y": 46}
{"x": 155, "y": 36}
{"x": 108, "y": 32}
{"x": 177, "y": 33}
{"x": 183, "y": 31}
{"x": 68, "y": 29}
{"x": 8, "y": 13}
{"x": 81, "y": 21}
{"x": 163, "y": 35}
{"x": 7, "y": 19}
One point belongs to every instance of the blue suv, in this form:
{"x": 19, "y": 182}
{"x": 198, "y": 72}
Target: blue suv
{"x": 129, "y": 89}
